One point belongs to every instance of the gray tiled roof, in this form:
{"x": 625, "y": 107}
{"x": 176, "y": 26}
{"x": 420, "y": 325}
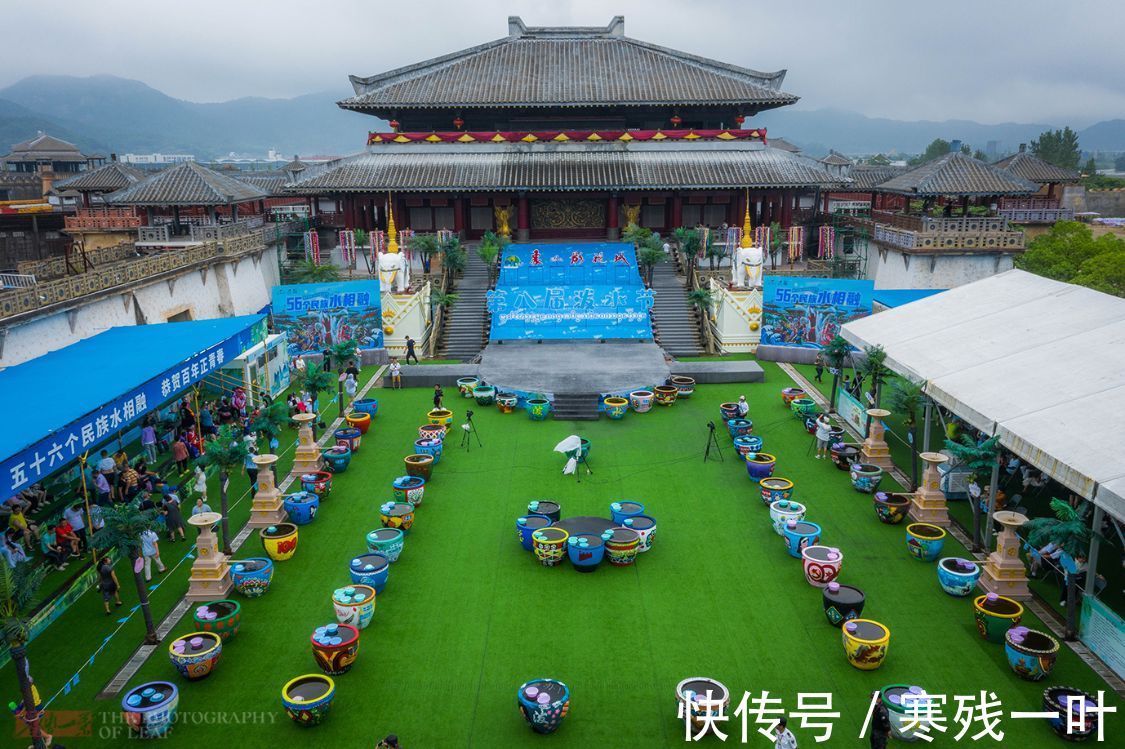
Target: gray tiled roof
{"x": 560, "y": 66}
{"x": 1034, "y": 169}
{"x": 957, "y": 174}
{"x": 45, "y": 146}
{"x": 868, "y": 176}
{"x": 187, "y": 183}
{"x": 585, "y": 166}
{"x": 784, "y": 145}
{"x": 109, "y": 178}
{"x": 835, "y": 159}
{"x": 272, "y": 183}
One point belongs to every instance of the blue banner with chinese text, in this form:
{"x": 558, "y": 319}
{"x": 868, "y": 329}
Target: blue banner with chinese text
{"x": 809, "y": 312}
{"x": 317, "y": 315}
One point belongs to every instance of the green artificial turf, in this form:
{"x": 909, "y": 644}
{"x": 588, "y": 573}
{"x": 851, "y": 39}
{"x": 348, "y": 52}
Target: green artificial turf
{"x": 467, "y": 615}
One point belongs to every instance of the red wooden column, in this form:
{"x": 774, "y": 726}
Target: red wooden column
{"x": 786, "y": 209}
{"x": 677, "y": 212}
{"x": 523, "y": 225}
{"x": 459, "y": 216}
{"x": 612, "y": 226}
{"x": 349, "y": 212}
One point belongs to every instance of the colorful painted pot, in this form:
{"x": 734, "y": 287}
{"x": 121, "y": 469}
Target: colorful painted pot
{"x": 958, "y": 577}
{"x": 485, "y": 395}
{"x": 1031, "y": 653}
{"x": 368, "y": 406}
{"x": 821, "y": 565}
{"x": 195, "y": 655}
{"x": 666, "y": 395}
{"x": 370, "y": 569}
{"x": 409, "y": 489}
{"x": 645, "y": 527}
{"x": 865, "y": 643}
{"x": 337, "y": 458}
{"x": 465, "y": 386}
{"x": 739, "y": 427}
{"x": 619, "y": 511}
{"x": 622, "y": 546}
{"x": 905, "y": 709}
{"x": 995, "y": 615}
{"x": 348, "y": 437}
{"x": 844, "y": 455}
{"x": 615, "y": 407}
{"x": 359, "y": 421}
{"x": 549, "y": 545}
{"x": 704, "y": 699}
{"x": 728, "y": 411}
{"x": 1076, "y": 721}
{"x": 774, "y": 488}
{"x": 506, "y": 403}
{"x": 842, "y": 603}
{"x": 397, "y": 515}
{"x": 799, "y": 534}
{"x": 641, "y": 400}
{"x": 746, "y": 444}
{"x": 866, "y": 477}
{"x": 279, "y": 541}
{"x": 442, "y": 416}
{"x": 251, "y": 577}
{"x": 924, "y": 541}
{"x": 546, "y": 507}
{"x": 760, "y": 465}
{"x": 222, "y": 617}
{"x": 429, "y": 447}
{"x": 543, "y": 703}
{"x": 788, "y": 395}
{"x": 387, "y": 541}
{"x": 528, "y": 524}
{"x": 308, "y": 699}
{"x": 354, "y": 605}
{"x": 432, "y": 432}
{"x": 301, "y": 507}
{"x": 419, "y": 465}
{"x": 318, "y": 483}
{"x": 586, "y": 551}
{"x": 150, "y": 709}
{"x": 802, "y": 408}
{"x": 335, "y": 648}
{"x": 784, "y": 510}
{"x": 538, "y": 409}
{"x": 686, "y": 385}
{"x": 891, "y": 508}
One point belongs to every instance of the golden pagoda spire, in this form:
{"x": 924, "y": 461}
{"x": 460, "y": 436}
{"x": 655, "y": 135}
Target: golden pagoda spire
{"x": 392, "y": 234}
{"x": 747, "y": 231}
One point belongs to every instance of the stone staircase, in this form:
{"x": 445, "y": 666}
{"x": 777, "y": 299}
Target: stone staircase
{"x": 464, "y": 333}
{"x": 674, "y": 321}
{"x": 576, "y": 406}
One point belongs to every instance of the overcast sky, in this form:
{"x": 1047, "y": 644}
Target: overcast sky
{"x": 986, "y": 60}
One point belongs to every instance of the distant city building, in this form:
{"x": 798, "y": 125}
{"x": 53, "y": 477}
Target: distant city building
{"x": 156, "y": 158}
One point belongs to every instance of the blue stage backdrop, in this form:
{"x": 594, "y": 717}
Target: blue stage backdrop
{"x": 809, "y": 312}
{"x": 570, "y": 292}
{"x": 317, "y": 315}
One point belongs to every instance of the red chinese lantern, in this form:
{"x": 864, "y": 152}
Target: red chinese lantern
{"x": 676, "y": 120}
{"x": 739, "y": 119}
{"x": 394, "y": 125}
{"x": 458, "y": 122}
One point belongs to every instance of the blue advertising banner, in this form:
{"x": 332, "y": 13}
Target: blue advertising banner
{"x": 589, "y": 264}
{"x": 809, "y": 312}
{"x": 317, "y": 315}
{"x": 570, "y": 312}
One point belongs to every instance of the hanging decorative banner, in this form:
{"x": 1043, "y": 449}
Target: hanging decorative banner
{"x": 827, "y": 242}
{"x": 312, "y": 246}
{"x": 796, "y": 242}
{"x": 762, "y": 238}
{"x": 347, "y": 246}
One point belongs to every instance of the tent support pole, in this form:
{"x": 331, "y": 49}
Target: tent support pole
{"x": 929, "y": 412}
{"x": 993, "y": 487}
{"x": 1092, "y": 557}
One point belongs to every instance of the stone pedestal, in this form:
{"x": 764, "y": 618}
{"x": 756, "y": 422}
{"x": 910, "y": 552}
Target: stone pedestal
{"x": 210, "y": 573}
{"x": 307, "y": 458}
{"x": 1003, "y": 571}
{"x": 927, "y": 505}
{"x": 266, "y": 509}
{"x": 875, "y": 450}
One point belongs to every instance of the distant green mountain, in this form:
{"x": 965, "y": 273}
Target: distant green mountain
{"x": 18, "y": 123}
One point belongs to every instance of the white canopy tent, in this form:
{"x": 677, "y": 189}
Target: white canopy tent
{"x": 1039, "y": 362}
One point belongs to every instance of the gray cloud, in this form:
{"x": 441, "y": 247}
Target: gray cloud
{"x": 994, "y": 61}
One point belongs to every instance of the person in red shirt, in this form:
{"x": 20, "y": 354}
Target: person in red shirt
{"x": 66, "y": 537}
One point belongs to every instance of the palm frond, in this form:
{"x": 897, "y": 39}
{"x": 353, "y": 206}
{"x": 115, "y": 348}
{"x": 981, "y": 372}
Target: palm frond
{"x": 226, "y": 450}
{"x": 1063, "y": 510}
{"x": 124, "y": 525}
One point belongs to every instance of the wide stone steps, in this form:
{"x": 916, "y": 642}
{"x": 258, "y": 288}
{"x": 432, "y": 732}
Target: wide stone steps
{"x": 575, "y": 407}
{"x": 465, "y": 333}
{"x": 674, "y": 323}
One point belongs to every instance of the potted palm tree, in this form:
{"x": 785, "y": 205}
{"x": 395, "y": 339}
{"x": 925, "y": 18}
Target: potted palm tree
{"x": 488, "y": 252}
{"x": 453, "y": 256}
{"x": 306, "y": 271}
{"x": 836, "y": 352}
{"x": 687, "y": 240}
{"x": 270, "y": 421}
{"x": 980, "y": 459}
{"x": 425, "y": 245}
{"x": 714, "y": 252}
{"x": 19, "y": 590}
{"x": 874, "y": 369}
{"x": 226, "y": 451}
{"x": 1068, "y": 532}
{"x": 123, "y": 527}
{"x": 315, "y": 380}
{"x": 342, "y": 353}
{"x": 905, "y": 399}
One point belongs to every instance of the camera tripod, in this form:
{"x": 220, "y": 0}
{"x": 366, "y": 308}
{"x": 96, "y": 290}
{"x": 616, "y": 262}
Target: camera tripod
{"x": 712, "y": 442}
{"x": 469, "y": 430}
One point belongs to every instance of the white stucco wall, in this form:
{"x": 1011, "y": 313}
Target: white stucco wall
{"x": 225, "y": 290}
{"x": 895, "y": 270}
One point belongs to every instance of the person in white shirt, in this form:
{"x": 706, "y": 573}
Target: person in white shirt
{"x": 396, "y": 375}
{"x": 200, "y": 483}
{"x": 107, "y": 464}
{"x": 743, "y": 406}
{"x": 76, "y": 516}
{"x": 150, "y": 551}
{"x": 783, "y": 737}
{"x": 823, "y": 436}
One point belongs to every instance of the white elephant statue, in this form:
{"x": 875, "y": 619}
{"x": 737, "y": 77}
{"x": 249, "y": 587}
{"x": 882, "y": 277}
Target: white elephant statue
{"x": 394, "y": 271}
{"x": 748, "y": 264}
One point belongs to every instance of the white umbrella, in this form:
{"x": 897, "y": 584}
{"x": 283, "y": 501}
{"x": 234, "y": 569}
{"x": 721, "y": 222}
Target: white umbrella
{"x": 570, "y": 445}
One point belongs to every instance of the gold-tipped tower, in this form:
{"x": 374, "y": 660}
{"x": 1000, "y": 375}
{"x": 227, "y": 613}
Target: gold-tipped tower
{"x": 747, "y": 230}
{"x": 392, "y": 234}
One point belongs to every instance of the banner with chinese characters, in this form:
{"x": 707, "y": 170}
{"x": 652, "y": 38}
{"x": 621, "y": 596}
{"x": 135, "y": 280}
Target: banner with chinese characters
{"x": 590, "y": 263}
{"x": 65, "y": 445}
{"x": 571, "y": 312}
{"x": 809, "y": 312}
{"x": 317, "y": 315}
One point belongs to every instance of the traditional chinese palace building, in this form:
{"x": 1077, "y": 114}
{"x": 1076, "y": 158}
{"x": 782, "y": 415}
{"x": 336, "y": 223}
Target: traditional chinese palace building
{"x": 567, "y": 133}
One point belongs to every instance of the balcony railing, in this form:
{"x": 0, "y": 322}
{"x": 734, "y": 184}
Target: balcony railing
{"x": 925, "y": 233}
{"x": 197, "y": 231}
{"x": 103, "y": 219}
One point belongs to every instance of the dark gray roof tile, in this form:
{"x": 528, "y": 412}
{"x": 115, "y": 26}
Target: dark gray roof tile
{"x": 957, "y": 174}
{"x": 187, "y": 183}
